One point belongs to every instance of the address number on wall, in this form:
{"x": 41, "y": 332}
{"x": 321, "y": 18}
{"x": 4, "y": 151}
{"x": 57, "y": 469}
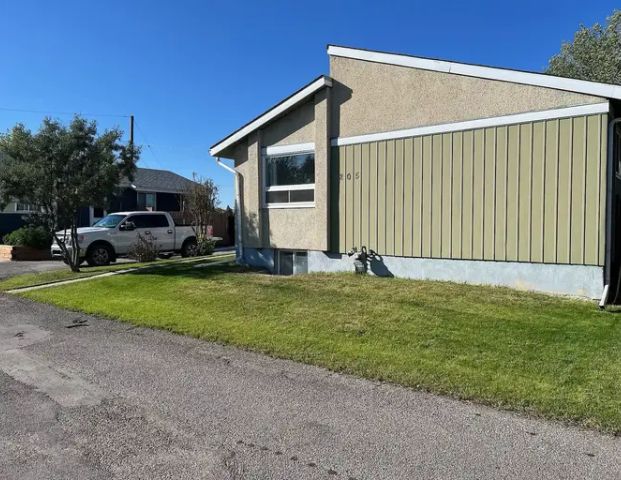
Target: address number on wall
{"x": 350, "y": 176}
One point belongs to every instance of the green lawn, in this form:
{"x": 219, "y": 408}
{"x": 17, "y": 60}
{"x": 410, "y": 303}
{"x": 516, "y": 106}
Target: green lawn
{"x": 547, "y": 356}
{"x": 32, "y": 279}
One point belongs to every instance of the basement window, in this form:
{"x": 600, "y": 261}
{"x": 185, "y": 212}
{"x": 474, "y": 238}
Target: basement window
{"x": 289, "y": 180}
{"x": 291, "y": 263}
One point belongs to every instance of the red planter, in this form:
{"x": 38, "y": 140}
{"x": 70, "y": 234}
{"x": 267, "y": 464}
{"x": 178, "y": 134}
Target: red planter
{"x": 9, "y": 252}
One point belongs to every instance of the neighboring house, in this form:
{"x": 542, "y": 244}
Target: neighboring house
{"x": 12, "y": 217}
{"x": 447, "y": 170}
{"x": 150, "y": 190}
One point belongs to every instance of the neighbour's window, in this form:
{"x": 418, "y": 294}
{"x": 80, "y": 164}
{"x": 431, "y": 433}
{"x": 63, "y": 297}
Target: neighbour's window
{"x": 149, "y": 221}
{"x": 146, "y": 201}
{"x": 98, "y": 212}
{"x": 25, "y": 207}
{"x": 290, "y": 179}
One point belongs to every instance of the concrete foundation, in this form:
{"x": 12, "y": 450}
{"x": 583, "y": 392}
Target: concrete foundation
{"x": 259, "y": 257}
{"x": 579, "y": 280}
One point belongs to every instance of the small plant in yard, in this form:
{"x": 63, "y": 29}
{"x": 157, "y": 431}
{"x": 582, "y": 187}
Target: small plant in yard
{"x": 199, "y": 204}
{"x": 144, "y": 249}
{"x": 205, "y": 246}
{"x": 29, "y": 236}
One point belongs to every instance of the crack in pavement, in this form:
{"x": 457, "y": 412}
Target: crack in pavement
{"x": 61, "y": 386}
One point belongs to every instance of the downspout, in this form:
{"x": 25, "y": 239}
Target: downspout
{"x": 238, "y": 223}
{"x": 610, "y": 179}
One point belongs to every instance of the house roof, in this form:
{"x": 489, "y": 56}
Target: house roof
{"x": 278, "y": 109}
{"x": 152, "y": 180}
{"x": 479, "y": 71}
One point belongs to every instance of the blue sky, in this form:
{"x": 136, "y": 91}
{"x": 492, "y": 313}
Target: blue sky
{"x": 192, "y": 71}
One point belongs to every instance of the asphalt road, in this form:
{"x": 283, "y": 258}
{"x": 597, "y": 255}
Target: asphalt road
{"x": 83, "y": 397}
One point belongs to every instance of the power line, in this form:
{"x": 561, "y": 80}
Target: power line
{"x": 148, "y": 145}
{"x": 43, "y": 112}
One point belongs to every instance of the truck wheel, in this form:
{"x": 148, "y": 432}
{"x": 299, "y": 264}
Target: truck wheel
{"x": 99, "y": 255}
{"x": 189, "y": 248}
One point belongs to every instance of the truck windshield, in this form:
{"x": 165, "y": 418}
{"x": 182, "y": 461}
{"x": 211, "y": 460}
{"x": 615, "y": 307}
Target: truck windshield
{"x": 109, "y": 221}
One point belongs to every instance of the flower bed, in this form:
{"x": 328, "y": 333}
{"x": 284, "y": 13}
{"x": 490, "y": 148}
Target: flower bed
{"x": 17, "y": 253}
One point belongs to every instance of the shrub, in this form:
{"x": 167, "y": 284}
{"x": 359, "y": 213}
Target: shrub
{"x": 205, "y": 246}
{"x": 35, "y": 237}
{"x": 143, "y": 249}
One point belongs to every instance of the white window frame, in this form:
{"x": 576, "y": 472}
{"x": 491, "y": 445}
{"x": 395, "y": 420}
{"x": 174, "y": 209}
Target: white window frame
{"x": 295, "y": 254}
{"x": 29, "y": 210}
{"x": 91, "y": 215}
{"x": 145, "y": 192}
{"x": 285, "y": 151}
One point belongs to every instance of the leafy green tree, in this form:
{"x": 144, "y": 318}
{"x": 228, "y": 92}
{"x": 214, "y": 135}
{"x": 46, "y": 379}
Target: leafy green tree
{"x": 62, "y": 168}
{"x": 594, "y": 54}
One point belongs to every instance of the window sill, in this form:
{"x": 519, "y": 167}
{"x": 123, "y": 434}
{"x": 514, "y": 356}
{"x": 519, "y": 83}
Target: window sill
{"x": 290, "y": 205}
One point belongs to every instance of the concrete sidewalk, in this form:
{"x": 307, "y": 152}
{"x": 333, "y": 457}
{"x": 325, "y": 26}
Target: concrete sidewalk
{"x": 84, "y": 397}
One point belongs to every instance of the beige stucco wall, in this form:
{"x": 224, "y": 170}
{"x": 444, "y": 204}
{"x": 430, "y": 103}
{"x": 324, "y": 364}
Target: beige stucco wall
{"x": 295, "y": 127}
{"x": 246, "y": 162}
{"x": 290, "y": 228}
{"x": 373, "y": 97}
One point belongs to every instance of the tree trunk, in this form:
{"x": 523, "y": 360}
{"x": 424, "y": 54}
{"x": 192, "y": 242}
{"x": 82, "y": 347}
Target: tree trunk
{"x": 75, "y": 250}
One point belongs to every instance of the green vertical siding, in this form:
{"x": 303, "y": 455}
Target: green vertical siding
{"x": 602, "y": 191}
{"x": 447, "y": 194}
{"x": 399, "y": 198}
{"x": 417, "y": 197}
{"x": 381, "y": 198}
{"x": 550, "y": 198}
{"x": 537, "y": 193}
{"x": 426, "y": 206}
{"x": 408, "y": 197}
{"x": 532, "y": 192}
{"x": 373, "y": 198}
{"x": 457, "y": 181}
{"x": 500, "y": 230}
{"x": 466, "y": 202}
{"x": 489, "y": 194}
{"x": 478, "y": 194}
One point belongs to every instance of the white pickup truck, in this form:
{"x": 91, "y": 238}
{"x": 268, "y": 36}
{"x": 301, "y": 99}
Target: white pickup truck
{"x": 113, "y": 236}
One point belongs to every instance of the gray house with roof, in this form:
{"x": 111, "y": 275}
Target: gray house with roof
{"x": 150, "y": 189}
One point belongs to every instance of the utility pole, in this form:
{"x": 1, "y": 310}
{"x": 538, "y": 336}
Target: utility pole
{"x": 131, "y": 129}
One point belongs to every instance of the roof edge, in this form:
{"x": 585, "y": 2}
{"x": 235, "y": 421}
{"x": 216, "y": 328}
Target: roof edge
{"x": 281, "y": 107}
{"x": 597, "y": 89}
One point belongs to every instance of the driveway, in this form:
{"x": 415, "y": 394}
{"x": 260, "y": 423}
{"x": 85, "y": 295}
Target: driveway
{"x": 9, "y": 269}
{"x": 84, "y": 397}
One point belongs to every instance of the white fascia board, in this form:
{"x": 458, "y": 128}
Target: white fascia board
{"x": 271, "y": 114}
{"x": 289, "y": 149}
{"x": 490, "y": 73}
{"x": 474, "y": 124}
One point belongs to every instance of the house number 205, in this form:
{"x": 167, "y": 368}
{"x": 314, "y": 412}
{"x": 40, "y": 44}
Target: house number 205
{"x": 349, "y": 176}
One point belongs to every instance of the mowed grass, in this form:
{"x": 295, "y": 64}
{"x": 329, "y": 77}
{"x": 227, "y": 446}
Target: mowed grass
{"x": 543, "y": 355}
{"x": 34, "y": 279}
